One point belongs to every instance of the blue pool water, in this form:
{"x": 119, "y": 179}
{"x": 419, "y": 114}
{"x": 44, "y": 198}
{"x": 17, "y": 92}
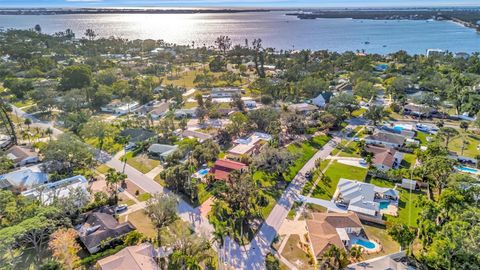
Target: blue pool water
{"x": 203, "y": 172}
{"x": 364, "y": 243}
{"x": 398, "y": 128}
{"x": 384, "y": 205}
{"x": 466, "y": 169}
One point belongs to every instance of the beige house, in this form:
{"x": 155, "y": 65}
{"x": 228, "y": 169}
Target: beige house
{"x": 327, "y": 229}
{"x": 139, "y": 257}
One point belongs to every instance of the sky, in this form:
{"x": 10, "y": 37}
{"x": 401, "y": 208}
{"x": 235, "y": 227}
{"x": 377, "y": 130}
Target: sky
{"x": 236, "y": 3}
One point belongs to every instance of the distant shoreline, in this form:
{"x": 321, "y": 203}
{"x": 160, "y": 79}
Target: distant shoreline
{"x": 86, "y": 11}
{"x": 467, "y": 18}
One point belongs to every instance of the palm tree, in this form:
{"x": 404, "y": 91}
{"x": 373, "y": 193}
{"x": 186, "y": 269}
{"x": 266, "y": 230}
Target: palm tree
{"x": 113, "y": 178}
{"x": 90, "y": 34}
{"x": 27, "y": 122}
{"x": 356, "y": 253}
{"x": 334, "y": 258}
{"x": 49, "y": 132}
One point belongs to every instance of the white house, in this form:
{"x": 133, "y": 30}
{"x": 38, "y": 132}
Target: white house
{"x": 119, "y": 107}
{"x": 386, "y": 139}
{"x": 47, "y": 193}
{"x": 364, "y": 198}
{"x": 225, "y": 92}
{"x": 321, "y": 100}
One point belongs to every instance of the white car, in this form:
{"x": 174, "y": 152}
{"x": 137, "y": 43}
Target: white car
{"x": 121, "y": 207}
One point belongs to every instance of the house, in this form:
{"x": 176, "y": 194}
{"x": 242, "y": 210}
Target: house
{"x": 409, "y": 184}
{"x": 21, "y": 155}
{"x": 225, "y": 92}
{"x": 418, "y": 110}
{"x": 223, "y": 167}
{"x": 332, "y": 229}
{"x": 385, "y": 159}
{"x": 249, "y": 146}
{"x": 140, "y": 257}
{"x": 302, "y": 108}
{"x": 135, "y": 135}
{"x": 100, "y": 228}
{"x": 435, "y": 52}
{"x": 159, "y": 110}
{"x": 322, "y": 99}
{"x": 365, "y": 199}
{"x": 201, "y": 137}
{"x": 386, "y": 139}
{"x": 23, "y": 179}
{"x": 395, "y": 261}
{"x": 5, "y": 141}
{"x": 161, "y": 151}
{"x": 60, "y": 189}
{"x": 119, "y": 107}
{"x": 186, "y": 113}
{"x": 250, "y": 104}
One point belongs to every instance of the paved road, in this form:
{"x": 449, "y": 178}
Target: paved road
{"x": 35, "y": 121}
{"x": 185, "y": 211}
{"x": 253, "y": 255}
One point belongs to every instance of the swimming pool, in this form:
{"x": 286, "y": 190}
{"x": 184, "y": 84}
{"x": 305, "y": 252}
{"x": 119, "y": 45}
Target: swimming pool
{"x": 467, "y": 169}
{"x": 398, "y": 128}
{"x": 384, "y": 205}
{"x": 203, "y": 172}
{"x": 364, "y": 243}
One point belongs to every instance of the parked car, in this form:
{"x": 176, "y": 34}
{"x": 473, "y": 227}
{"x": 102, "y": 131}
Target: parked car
{"x": 121, "y": 208}
{"x": 308, "y": 175}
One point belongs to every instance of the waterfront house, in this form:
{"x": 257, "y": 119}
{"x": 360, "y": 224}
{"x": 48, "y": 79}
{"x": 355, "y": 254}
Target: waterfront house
{"x": 386, "y": 139}
{"x": 332, "y": 229}
{"x": 366, "y": 199}
{"x": 100, "y": 228}
{"x": 223, "y": 167}
{"x": 249, "y": 146}
{"x": 161, "y": 151}
{"x": 384, "y": 159}
{"x": 21, "y": 155}
{"x": 139, "y": 257}
{"x": 47, "y": 193}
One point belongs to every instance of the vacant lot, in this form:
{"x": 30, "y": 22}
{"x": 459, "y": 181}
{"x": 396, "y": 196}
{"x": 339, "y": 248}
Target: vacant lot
{"x": 141, "y": 162}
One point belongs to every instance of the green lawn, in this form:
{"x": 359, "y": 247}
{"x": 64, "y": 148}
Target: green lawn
{"x": 305, "y": 151}
{"x": 141, "y": 162}
{"x": 326, "y": 187}
{"x": 144, "y": 197}
{"x": 344, "y": 150}
{"x": 408, "y": 208}
{"x": 379, "y": 234}
{"x": 294, "y": 254}
{"x": 23, "y": 103}
{"x": 422, "y": 137}
{"x": 408, "y": 160}
{"x": 358, "y": 112}
{"x": 471, "y": 143}
{"x": 103, "y": 169}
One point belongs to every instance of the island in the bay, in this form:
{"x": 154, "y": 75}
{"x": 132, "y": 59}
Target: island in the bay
{"x": 467, "y": 17}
